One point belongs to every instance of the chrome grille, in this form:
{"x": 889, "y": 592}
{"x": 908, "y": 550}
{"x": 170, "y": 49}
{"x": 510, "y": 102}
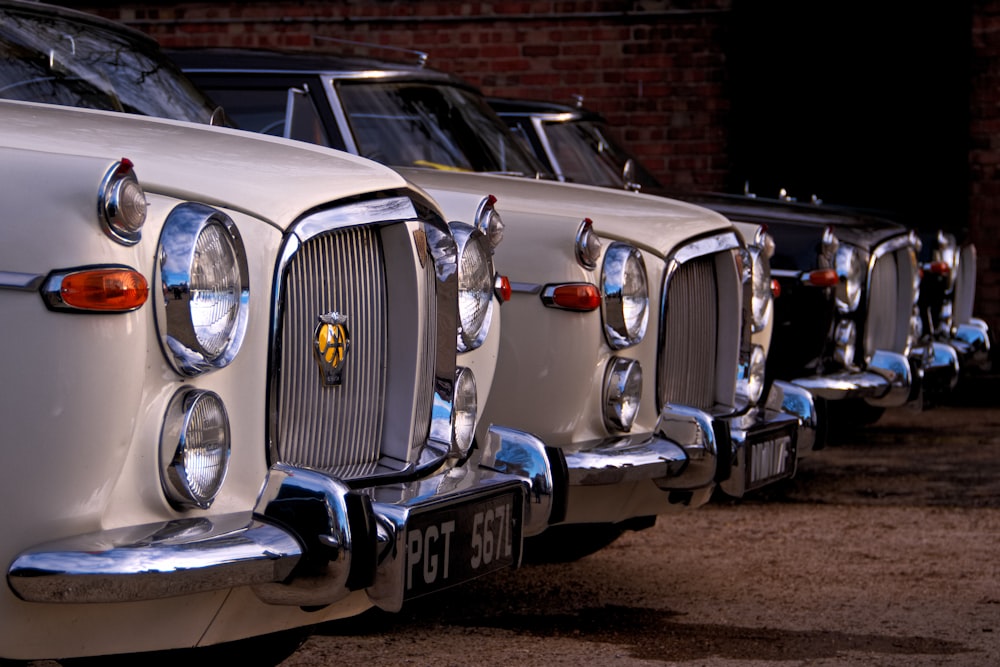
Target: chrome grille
{"x": 330, "y": 427}
{"x": 890, "y": 302}
{"x": 687, "y": 361}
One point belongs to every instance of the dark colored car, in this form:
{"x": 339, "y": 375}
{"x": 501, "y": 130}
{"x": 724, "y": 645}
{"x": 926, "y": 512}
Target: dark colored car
{"x": 847, "y": 322}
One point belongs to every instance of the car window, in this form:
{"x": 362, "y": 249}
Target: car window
{"x": 436, "y": 126}
{"x": 54, "y": 61}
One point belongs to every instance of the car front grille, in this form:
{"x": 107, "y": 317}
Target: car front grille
{"x": 890, "y": 301}
{"x": 687, "y": 360}
{"x": 344, "y": 428}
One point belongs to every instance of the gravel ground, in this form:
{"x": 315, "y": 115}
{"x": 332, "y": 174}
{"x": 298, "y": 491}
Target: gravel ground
{"x": 884, "y": 549}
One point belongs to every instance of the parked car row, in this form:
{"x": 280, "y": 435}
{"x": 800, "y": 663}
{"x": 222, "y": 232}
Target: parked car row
{"x": 285, "y": 379}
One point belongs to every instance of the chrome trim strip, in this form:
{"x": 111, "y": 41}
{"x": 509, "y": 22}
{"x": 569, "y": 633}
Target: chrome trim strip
{"x": 158, "y": 560}
{"x": 526, "y": 288}
{"x": 25, "y": 282}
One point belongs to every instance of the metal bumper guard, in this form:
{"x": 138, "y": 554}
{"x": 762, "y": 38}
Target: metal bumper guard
{"x": 972, "y": 343}
{"x": 310, "y": 541}
{"x": 680, "y": 455}
{"x": 887, "y": 382}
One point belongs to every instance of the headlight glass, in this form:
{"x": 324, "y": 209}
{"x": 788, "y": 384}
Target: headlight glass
{"x": 762, "y": 301}
{"x": 476, "y": 281}
{"x": 625, "y": 296}
{"x": 852, "y": 269}
{"x": 845, "y": 338}
{"x": 465, "y": 411}
{"x": 622, "y": 393}
{"x": 204, "y": 286}
{"x": 194, "y": 448}
{"x": 755, "y": 374}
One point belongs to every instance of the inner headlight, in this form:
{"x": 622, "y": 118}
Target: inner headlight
{"x": 194, "y": 448}
{"x": 852, "y": 269}
{"x": 754, "y": 380}
{"x": 625, "y": 296}
{"x": 622, "y": 393}
{"x": 845, "y": 338}
{"x": 762, "y": 301}
{"x": 465, "y": 411}
{"x": 204, "y": 283}
{"x": 946, "y": 252}
{"x": 476, "y": 280}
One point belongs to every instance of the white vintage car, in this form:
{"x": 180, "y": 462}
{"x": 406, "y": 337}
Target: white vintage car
{"x": 237, "y": 399}
{"x": 627, "y": 344}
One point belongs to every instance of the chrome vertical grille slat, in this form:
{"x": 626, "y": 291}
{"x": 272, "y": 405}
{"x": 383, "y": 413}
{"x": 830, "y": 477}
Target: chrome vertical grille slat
{"x": 329, "y": 427}
{"x": 890, "y": 302}
{"x": 687, "y": 373}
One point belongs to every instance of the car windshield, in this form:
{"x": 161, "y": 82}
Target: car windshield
{"x": 436, "y": 126}
{"x": 586, "y": 155}
{"x": 53, "y": 60}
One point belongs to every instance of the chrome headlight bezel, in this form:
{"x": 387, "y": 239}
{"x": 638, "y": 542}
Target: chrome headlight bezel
{"x": 193, "y": 284}
{"x": 622, "y": 393}
{"x": 762, "y": 297}
{"x": 476, "y": 285}
{"x": 624, "y": 295}
{"x": 851, "y": 264}
{"x": 947, "y": 252}
{"x": 750, "y": 386}
{"x": 465, "y": 411}
{"x": 195, "y": 446}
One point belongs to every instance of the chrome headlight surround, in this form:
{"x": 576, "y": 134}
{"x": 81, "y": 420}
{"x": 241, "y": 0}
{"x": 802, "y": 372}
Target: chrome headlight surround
{"x": 947, "y": 253}
{"x": 465, "y": 411}
{"x": 750, "y": 385}
{"x": 622, "y": 393}
{"x": 195, "y": 445}
{"x": 851, "y": 264}
{"x": 845, "y": 339}
{"x": 476, "y": 285}
{"x": 762, "y": 298}
{"x": 204, "y": 300}
{"x": 624, "y": 295}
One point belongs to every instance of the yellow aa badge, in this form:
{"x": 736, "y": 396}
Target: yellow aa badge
{"x": 332, "y": 343}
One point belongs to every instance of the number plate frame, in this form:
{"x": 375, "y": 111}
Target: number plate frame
{"x": 440, "y": 555}
{"x": 775, "y": 449}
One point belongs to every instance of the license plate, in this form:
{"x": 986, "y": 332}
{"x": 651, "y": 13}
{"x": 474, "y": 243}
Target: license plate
{"x": 447, "y": 546}
{"x": 770, "y": 457}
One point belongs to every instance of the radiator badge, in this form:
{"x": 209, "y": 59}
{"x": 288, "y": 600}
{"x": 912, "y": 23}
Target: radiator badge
{"x": 331, "y": 343}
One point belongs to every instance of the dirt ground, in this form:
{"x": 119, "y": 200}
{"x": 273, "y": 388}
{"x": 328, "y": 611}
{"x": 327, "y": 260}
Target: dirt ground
{"x": 883, "y": 550}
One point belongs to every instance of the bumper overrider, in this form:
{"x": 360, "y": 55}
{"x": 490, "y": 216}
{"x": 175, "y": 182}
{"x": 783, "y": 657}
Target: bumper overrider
{"x": 311, "y": 540}
{"x": 680, "y": 455}
{"x": 888, "y": 381}
{"x": 971, "y": 342}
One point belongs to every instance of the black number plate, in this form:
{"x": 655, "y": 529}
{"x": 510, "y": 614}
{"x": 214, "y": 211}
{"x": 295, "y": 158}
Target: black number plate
{"x": 449, "y": 545}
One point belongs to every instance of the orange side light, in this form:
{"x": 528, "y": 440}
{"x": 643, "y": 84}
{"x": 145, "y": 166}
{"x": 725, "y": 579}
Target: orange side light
{"x": 105, "y": 289}
{"x": 578, "y": 296}
{"x": 504, "y": 289}
{"x": 822, "y": 278}
{"x": 775, "y": 288}
{"x": 940, "y": 268}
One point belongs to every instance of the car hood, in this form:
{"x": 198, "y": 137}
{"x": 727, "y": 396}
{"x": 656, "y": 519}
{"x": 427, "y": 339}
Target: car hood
{"x": 273, "y": 179}
{"x": 655, "y": 224}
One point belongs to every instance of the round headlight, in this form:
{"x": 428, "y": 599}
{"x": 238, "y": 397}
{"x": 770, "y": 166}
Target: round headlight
{"x": 947, "y": 253}
{"x": 464, "y": 411}
{"x": 754, "y": 380}
{"x": 205, "y": 290}
{"x": 852, "y": 269}
{"x": 476, "y": 283}
{"x": 845, "y": 338}
{"x": 625, "y": 296}
{"x": 194, "y": 448}
{"x": 622, "y": 393}
{"x": 762, "y": 300}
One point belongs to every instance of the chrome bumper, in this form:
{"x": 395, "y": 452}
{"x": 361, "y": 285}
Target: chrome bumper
{"x": 310, "y": 541}
{"x": 971, "y": 342}
{"x": 937, "y": 366}
{"x": 680, "y": 455}
{"x": 888, "y": 382}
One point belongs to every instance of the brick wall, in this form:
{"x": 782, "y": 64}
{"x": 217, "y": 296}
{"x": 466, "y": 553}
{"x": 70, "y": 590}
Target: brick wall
{"x": 984, "y": 157}
{"x": 657, "y": 72}
{"x": 656, "y": 68}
